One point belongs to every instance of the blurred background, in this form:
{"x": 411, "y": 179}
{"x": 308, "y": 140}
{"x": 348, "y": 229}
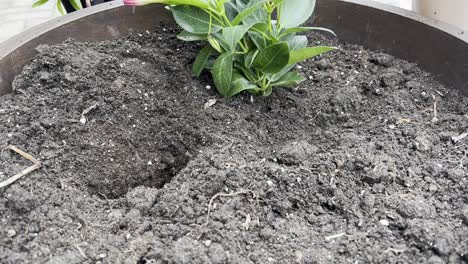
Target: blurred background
{"x": 18, "y": 15}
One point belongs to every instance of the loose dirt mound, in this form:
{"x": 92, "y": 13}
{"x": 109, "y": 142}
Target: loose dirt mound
{"x": 348, "y": 167}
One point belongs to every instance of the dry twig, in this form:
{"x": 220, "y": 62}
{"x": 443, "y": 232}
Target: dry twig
{"x": 210, "y": 205}
{"x": 460, "y": 137}
{"x": 435, "y": 119}
{"x": 395, "y": 250}
{"x": 81, "y": 251}
{"x": 334, "y": 236}
{"x": 85, "y": 112}
{"x": 36, "y": 165}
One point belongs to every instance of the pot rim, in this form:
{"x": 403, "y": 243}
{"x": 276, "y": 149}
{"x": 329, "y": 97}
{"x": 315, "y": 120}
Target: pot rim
{"x": 20, "y": 39}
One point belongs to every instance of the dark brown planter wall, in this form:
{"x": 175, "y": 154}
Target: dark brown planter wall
{"x": 435, "y": 46}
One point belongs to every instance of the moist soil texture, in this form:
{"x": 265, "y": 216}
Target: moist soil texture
{"x": 364, "y": 162}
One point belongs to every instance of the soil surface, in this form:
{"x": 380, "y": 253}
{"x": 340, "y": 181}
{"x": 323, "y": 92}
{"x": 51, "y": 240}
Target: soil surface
{"x": 352, "y": 166}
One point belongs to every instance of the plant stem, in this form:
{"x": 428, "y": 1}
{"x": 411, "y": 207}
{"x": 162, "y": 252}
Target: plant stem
{"x": 214, "y": 14}
{"x": 278, "y": 19}
{"x": 270, "y": 27}
{"x": 244, "y": 48}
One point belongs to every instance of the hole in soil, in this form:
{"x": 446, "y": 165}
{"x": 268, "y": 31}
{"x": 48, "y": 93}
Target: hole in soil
{"x": 117, "y": 178}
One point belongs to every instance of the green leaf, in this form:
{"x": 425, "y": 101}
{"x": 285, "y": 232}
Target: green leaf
{"x": 248, "y": 72}
{"x": 249, "y": 58}
{"x": 305, "y": 29}
{"x": 306, "y": 53}
{"x": 267, "y": 92}
{"x": 201, "y": 60}
{"x": 276, "y": 76}
{"x": 296, "y": 42}
{"x": 214, "y": 43}
{"x": 194, "y": 19}
{"x": 39, "y": 3}
{"x": 296, "y": 12}
{"x": 273, "y": 58}
{"x": 209, "y": 63}
{"x": 258, "y": 15}
{"x": 259, "y": 41}
{"x": 247, "y": 12}
{"x": 231, "y": 10}
{"x": 239, "y": 84}
{"x": 259, "y": 34}
{"x": 76, "y": 4}
{"x": 232, "y": 35}
{"x": 60, "y": 7}
{"x": 221, "y": 41}
{"x": 187, "y": 36}
{"x": 260, "y": 27}
{"x": 289, "y": 79}
{"x": 198, "y": 3}
{"x": 222, "y": 73}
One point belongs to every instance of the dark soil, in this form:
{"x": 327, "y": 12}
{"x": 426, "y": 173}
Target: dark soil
{"x": 349, "y": 167}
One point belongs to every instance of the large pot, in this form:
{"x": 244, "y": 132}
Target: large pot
{"x": 437, "y": 47}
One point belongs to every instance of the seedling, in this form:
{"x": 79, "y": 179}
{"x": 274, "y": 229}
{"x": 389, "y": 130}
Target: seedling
{"x": 247, "y": 49}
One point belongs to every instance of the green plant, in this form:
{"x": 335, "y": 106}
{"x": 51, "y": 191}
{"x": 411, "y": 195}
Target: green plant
{"x": 76, "y": 4}
{"x": 248, "y": 50}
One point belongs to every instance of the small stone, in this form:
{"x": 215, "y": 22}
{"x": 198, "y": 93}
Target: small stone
{"x": 11, "y": 233}
{"x": 384, "y": 222}
{"x": 408, "y": 182}
{"x": 447, "y": 136}
{"x": 392, "y": 78}
{"x": 422, "y": 143}
{"x": 382, "y": 59}
{"x": 270, "y": 183}
{"x": 83, "y": 120}
{"x": 416, "y": 207}
{"x": 142, "y": 198}
{"x": 150, "y": 163}
{"x": 414, "y": 85}
{"x": 266, "y": 233}
{"x": 208, "y": 243}
{"x": 323, "y": 64}
{"x": 391, "y": 126}
{"x": 380, "y": 172}
{"x": 372, "y": 178}
{"x": 435, "y": 260}
{"x": 102, "y": 256}
{"x": 299, "y": 256}
{"x": 442, "y": 246}
{"x": 369, "y": 200}
{"x": 294, "y": 153}
{"x": 208, "y": 87}
{"x": 347, "y": 100}
{"x": 455, "y": 174}
{"x": 210, "y": 103}
{"x": 312, "y": 219}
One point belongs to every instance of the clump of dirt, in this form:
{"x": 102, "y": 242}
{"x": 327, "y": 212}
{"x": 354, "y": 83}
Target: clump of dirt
{"x": 350, "y": 166}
